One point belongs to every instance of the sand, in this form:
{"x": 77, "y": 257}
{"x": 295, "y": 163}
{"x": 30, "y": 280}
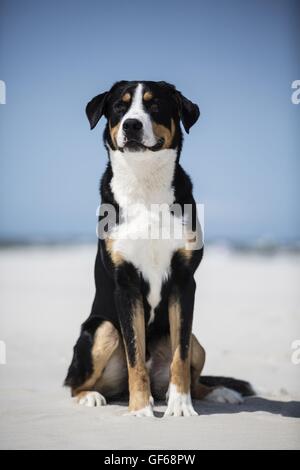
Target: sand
{"x": 246, "y": 316}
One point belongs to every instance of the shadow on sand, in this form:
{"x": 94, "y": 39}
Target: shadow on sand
{"x": 289, "y": 409}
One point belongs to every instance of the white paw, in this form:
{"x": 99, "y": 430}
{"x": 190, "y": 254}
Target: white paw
{"x": 179, "y": 404}
{"x": 92, "y": 399}
{"x": 224, "y": 395}
{"x": 167, "y": 394}
{"x": 146, "y": 411}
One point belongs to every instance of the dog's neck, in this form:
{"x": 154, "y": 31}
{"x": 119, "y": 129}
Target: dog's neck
{"x": 143, "y": 177}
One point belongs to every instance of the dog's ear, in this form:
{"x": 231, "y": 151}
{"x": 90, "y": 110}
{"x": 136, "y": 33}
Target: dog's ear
{"x": 95, "y": 108}
{"x": 189, "y": 112}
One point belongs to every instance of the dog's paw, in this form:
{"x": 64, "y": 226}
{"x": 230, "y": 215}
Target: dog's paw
{"x": 179, "y": 404}
{"x": 144, "y": 412}
{"x": 147, "y": 411}
{"x": 224, "y": 395}
{"x": 91, "y": 399}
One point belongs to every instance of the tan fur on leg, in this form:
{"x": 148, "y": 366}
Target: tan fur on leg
{"x": 106, "y": 341}
{"x": 180, "y": 369}
{"x": 179, "y": 396}
{"x": 139, "y": 383}
{"x": 198, "y": 391}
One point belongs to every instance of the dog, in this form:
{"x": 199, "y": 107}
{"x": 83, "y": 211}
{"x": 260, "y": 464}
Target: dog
{"x": 138, "y": 338}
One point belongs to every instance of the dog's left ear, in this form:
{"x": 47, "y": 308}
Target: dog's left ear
{"x": 95, "y": 108}
{"x": 188, "y": 112}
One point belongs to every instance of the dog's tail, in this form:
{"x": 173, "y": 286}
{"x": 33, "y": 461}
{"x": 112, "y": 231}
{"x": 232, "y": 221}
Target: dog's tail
{"x": 241, "y": 386}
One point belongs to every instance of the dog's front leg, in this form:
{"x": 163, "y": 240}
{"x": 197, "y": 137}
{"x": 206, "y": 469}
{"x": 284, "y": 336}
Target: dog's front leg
{"x": 131, "y": 315}
{"x": 181, "y": 306}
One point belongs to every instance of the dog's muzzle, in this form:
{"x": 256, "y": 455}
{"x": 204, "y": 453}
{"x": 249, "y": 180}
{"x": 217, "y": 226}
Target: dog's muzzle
{"x": 133, "y": 136}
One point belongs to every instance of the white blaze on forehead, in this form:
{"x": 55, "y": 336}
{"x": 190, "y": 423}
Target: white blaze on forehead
{"x": 137, "y": 111}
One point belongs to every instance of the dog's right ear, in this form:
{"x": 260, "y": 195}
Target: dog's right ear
{"x": 95, "y": 108}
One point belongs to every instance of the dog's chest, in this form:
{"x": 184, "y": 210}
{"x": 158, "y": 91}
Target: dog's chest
{"x": 152, "y": 257}
{"x": 145, "y": 236}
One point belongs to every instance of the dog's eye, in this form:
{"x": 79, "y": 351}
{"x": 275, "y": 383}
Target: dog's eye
{"x": 154, "y": 107}
{"x": 120, "y": 106}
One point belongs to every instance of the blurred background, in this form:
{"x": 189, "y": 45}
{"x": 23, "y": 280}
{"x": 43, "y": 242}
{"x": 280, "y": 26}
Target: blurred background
{"x": 237, "y": 60}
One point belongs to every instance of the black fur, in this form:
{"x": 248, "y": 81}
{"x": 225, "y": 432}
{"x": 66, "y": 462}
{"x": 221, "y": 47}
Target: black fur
{"x": 241, "y": 386}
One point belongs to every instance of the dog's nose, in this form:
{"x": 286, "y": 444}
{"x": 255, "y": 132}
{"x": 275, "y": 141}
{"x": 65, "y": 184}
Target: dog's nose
{"x": 132, "y": 126}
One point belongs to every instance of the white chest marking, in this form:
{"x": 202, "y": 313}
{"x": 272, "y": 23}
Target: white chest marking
{"x": 141, "y": 180}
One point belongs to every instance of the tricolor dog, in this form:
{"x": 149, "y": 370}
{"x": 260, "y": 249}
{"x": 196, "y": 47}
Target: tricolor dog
{"x": 138, "y": 338}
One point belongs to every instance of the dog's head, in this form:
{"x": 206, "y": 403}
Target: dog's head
{"x": 142, "y": 115}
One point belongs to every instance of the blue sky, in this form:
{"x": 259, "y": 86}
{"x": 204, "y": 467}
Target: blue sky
{"x": 236, "y": 59}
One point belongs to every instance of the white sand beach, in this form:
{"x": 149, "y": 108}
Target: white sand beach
{"x": 246, "y": 316}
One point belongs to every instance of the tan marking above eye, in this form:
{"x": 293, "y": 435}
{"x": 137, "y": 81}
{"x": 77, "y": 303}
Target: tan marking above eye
{"x": 126, "y": 98}
{"x": 148, "y": 96}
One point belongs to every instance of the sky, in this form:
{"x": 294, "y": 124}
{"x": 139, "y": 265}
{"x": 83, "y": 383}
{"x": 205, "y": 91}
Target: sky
{"x": 236, "y": 59}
